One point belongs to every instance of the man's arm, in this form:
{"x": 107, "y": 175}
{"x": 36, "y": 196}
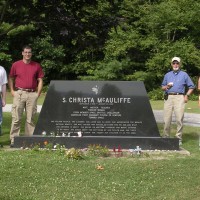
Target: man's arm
{"x": 3, "y": 95}
{"x": 40, "y": 86}
{"x": 189, "y": 92}
{"x": 11, "y": 85}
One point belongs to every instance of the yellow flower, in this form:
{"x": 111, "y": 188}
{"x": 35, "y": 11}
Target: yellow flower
{"x": 99, "y": 167}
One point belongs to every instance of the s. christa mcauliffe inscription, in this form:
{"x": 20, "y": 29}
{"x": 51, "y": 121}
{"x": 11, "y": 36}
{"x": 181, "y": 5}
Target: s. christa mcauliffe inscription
{"x": 97, "y": 108}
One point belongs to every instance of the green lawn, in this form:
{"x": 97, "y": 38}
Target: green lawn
{"x": 39, "y": 175}
{"x": 28, "y": 175}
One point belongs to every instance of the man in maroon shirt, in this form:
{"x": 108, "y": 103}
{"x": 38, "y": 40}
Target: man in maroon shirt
{"x": 25, "y": 81}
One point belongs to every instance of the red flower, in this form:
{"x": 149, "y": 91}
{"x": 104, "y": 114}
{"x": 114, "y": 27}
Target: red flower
{"x": 119, "y": 149}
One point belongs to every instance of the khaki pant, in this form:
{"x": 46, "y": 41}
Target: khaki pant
{"x": 23, "y": 100}
{"x": 176, "y": 104}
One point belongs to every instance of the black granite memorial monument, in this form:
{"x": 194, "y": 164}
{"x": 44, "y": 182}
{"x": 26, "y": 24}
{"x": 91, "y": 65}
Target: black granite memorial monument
{"x": 112, "y": 113}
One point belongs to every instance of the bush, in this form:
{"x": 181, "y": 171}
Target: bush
{"x": 98, "y": 150}
{"x": 194, "y": 97}
{"x": 156, "y": 94}
{"x": 75, "y": 154}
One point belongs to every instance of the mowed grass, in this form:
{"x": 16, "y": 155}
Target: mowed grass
{"x": 28, "y": 175}
{"x": 44, "y": 175}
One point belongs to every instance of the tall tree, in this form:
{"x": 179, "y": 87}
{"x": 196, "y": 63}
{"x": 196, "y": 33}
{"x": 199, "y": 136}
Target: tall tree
{"x": 79, "y": 27}
{"x": 102, "y": 40}
{"x": 148, "y": 34}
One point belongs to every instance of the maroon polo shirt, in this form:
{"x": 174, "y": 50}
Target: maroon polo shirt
{"x": 26, "y": 75}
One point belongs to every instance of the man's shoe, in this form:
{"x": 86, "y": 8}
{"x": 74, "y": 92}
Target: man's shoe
{"x": 11, "y": 145}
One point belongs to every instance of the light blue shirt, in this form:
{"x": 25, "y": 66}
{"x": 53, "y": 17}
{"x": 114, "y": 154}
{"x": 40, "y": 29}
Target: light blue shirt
{"x": 180, "y": 80}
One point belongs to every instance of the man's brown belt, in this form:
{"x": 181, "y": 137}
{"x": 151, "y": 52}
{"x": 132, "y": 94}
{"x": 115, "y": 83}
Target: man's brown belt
{"x": 27, "y": 90}
{"x": 175, "y": 93}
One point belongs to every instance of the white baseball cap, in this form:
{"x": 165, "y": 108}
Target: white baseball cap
{"x": 176, "y": 59}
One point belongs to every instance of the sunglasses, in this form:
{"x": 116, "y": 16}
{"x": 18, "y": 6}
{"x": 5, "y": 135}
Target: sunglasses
{"x": 175, "y": 63}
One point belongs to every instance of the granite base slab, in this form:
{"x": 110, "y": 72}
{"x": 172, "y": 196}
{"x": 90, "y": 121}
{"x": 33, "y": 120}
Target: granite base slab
{"x": 145, "y": 143}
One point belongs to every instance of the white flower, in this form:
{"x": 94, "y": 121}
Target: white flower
{"x": 44, "y": 133}
{"x": 131, "y": 150}
{"x": 79, "y": 134}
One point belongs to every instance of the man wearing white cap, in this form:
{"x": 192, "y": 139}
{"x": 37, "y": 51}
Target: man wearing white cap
{"x": 174, "y": 84}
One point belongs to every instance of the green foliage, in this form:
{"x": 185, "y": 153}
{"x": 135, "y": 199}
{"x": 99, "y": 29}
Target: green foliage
{"x": 150, "y": 35}
{"x": 21, "y": 28}
{"x": 109, "y": 70}
{"x": 4, "y": 57}
{"x": 74, "y": 154}
{"x": 156, "y": 94}
{"x": 51, "y": 57}
{"x": 193, "y": 97}
{"x": 98, "y": 150}
{"x": 160, "y": 62}
{"x": 48, "y": 146}
{"x": 60, "y": 149}
{"x": 36, "y": 147}
{"x": 103, "y": 40}
{"x": 121, "y": 41}
{"x": 5, "y": 27}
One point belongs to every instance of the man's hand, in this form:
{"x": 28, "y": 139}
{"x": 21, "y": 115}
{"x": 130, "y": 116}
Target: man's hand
{"x": 3, "y": 103}
{"x": 186, "y": 98}
{"x": 12, "y": 93}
